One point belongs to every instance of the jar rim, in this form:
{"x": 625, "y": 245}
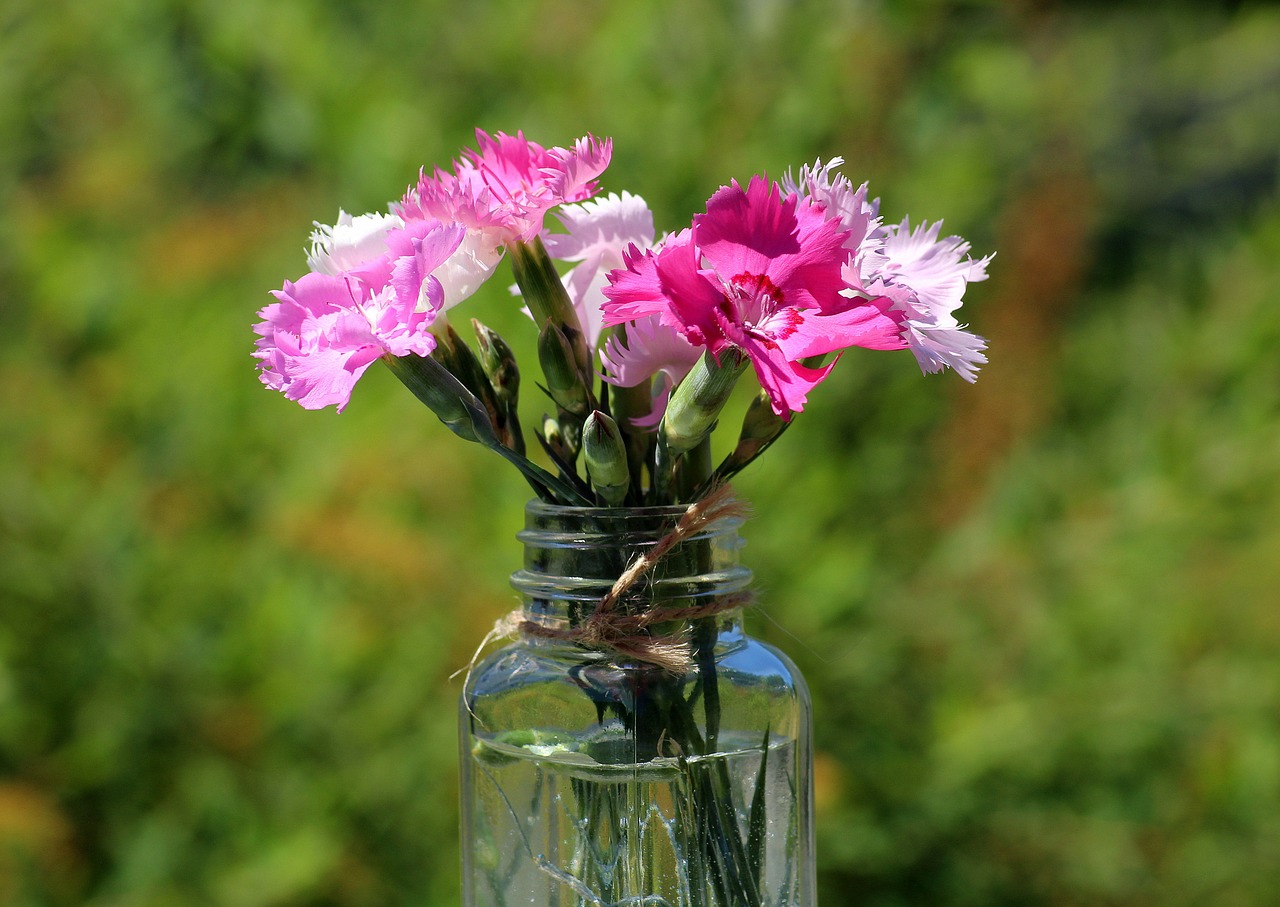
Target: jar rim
{"x": 540, "y": 506}
{"x": 557, "y": 526}
{"x": 646, "y": 513}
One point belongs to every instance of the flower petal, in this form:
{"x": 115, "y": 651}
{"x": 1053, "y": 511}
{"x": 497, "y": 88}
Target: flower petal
{"x": 871, "y": 324}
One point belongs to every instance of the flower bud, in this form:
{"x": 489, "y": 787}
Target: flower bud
{"x": 498, "y": 361}
{"x": 564, "y": 378}
{"x": 550, "y": 430}
{"x": 499, "y": 365}
{"x": 464, "y": 415}
{"x": 630, "y": 407}
{"x": 444, "y": 395}
{"x": 559, "y": 442}
{"x": 696, "y": 402}
{"x": 463, "y": 363}
{"x": 761, "y": 426}
{"x": 606, "y": 457}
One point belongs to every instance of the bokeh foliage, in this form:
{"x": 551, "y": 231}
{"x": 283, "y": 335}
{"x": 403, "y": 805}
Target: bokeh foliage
{"x": 1039, "y": 614}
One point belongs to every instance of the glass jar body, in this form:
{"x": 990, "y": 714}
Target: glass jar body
{"x": 590, "y": 778}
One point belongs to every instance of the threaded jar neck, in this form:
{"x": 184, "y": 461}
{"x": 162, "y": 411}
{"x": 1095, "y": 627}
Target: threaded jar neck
{"x": 574, "y": 555}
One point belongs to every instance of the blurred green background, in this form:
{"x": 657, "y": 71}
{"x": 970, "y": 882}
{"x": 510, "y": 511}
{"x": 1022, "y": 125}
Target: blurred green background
{"x": 1039, "y": 614}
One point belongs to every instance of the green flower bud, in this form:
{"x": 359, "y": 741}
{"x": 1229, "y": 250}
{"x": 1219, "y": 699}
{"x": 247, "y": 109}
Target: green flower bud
{"x": 444, "y": 395}
{"x": 499, "y": 365}
{"x": 551, "y": 431}
{"x": 696, "y": 403}
{"x": 464, "y": 415}
{"x": 564, "y": 378}
{"x": 498, "y": 361}
{"x": 605, "y": 454}
{"x": 560, "y": 441}
{"x": 628, "y": 404}
{"x": 761, "y": 426}
{"x": 462, "y": 361}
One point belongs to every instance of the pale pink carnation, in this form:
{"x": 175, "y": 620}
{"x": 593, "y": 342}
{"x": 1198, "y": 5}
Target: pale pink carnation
{"x": 651, "y": 349}
{"x": 471, "y": 264}
{"x": 357, "y": 242}
{"x": 925, "y": 276}
{"x": 323, "y": 331}
{"x": 596, "y": 234}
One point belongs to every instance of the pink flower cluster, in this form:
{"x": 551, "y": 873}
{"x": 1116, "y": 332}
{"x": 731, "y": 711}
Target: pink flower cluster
{"x": 786, "y": 279}
{"x": 760, "y": 274}
{"x": 378, "y": 282}
{"x": 326, "y": 329}
{"x": 783, "y": 274}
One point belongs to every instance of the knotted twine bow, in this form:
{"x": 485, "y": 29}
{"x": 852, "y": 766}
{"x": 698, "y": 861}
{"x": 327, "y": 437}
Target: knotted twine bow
{"x": 609, "y": 629}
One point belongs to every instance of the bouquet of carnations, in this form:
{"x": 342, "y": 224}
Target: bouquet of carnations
{"x": 642, "y": 339}
{"x": 633, "y": 746}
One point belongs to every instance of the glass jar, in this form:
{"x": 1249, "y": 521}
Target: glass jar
{"x": 590, "y": 777}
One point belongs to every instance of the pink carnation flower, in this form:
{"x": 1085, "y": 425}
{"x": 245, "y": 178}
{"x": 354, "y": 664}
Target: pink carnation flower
{"x": 504, "y": 189}
{"x": 763, "y": 275}
{"x": 326, "y": 329}
{"x": 355, "y": 242}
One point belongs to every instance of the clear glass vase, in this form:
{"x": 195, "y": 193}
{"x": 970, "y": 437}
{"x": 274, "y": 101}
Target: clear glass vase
{"x": 593, "y": 778}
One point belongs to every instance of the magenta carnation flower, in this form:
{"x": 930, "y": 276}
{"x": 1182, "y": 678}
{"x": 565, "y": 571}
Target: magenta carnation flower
{"x": 506, "y": 187}
{"x": 326, "y": 329}
{"x": 761, "y": 274}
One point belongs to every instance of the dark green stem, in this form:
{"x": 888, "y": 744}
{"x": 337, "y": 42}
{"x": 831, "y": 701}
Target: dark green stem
{"x": 467, "y": 418}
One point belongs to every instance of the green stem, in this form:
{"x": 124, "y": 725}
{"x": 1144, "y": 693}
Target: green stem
{"x": 467, "y": 418}
{"x": 693, "y": 472}
{"x": 549, "y": 301}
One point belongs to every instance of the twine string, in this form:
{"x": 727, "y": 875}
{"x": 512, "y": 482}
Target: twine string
{"x": 625, "y": 634}
{"x": 610, "y": 629}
